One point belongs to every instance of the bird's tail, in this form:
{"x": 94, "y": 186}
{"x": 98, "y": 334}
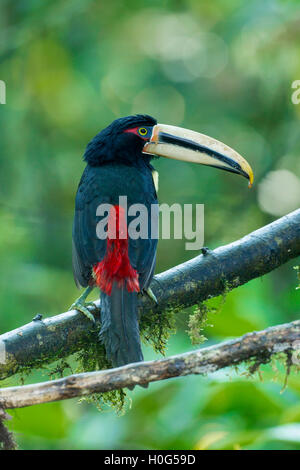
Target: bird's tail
{"x": 120, "y": 328}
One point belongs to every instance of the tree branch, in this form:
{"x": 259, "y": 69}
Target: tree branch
{"x": 257, "y": 345}
{"x": 7, "y": 440}
{"x": 205, "y": 276}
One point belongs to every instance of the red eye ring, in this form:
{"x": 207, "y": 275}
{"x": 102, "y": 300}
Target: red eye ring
{"x": 142, "y": 132}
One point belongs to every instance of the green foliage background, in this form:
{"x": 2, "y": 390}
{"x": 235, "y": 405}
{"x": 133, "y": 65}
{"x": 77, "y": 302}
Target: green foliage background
{"x": 224, "y": 68}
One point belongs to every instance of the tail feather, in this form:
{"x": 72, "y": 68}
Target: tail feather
{"x": 120, "y": 329}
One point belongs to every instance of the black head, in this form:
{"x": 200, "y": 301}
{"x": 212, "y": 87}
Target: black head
{"x": 122, "y": 141}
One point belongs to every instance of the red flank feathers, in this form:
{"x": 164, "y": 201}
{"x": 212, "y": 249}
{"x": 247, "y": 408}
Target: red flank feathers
{"x": 115, "y": 265}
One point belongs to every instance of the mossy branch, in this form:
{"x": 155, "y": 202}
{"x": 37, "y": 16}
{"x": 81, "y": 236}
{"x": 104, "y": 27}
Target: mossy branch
{"x": 258, "y": 346}
{"x": 205, "y": 276}
{"x": 7, "y": 440}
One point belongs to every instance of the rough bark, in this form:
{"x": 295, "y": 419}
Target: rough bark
{"x": 7, "y": 440}
{"x": 205, "y": 276}
{"x": 259, "y": 346}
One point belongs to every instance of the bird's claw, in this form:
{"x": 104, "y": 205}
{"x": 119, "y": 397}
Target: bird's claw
{"x": 82, "y": 307}
{"x": 151, "y": 294}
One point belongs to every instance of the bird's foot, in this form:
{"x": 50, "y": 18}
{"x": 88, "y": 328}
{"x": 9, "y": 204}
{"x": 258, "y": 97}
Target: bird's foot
{"x": 151, "y": 294}
{"x": 82, "y": 307}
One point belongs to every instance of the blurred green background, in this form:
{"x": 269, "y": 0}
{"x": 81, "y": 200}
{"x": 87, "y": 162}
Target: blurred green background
{"x": 224, "y": 68}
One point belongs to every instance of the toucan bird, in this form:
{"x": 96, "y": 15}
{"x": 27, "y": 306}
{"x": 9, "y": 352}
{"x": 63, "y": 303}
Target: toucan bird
{"x": 118, "y": 163}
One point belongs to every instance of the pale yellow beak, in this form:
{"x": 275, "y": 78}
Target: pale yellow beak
{"x": 190, "y": 146}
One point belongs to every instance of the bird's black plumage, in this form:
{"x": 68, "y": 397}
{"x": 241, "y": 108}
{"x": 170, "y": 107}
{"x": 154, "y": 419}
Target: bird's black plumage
{"x": 115, "y": 167}
{"x": 112, "y": 144}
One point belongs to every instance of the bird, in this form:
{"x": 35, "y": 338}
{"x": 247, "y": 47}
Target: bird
{"x": 117, "y": 262}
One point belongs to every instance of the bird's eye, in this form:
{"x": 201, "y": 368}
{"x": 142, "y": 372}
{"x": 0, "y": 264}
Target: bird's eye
{"x": 143, "y": 131}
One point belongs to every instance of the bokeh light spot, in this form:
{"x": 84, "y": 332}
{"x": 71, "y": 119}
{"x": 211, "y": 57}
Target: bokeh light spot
{"x": 279, "y": 192}
{"x": 164, "y": 103}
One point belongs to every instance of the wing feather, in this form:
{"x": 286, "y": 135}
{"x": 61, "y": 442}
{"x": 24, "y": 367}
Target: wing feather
{"x": 104, "y": 185}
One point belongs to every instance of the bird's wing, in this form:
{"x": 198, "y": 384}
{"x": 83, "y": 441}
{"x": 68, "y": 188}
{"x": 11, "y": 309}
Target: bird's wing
{"x": 142, "y": 252}
{"x": 97, "y": 187}
{"x": 87, "y": 248}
